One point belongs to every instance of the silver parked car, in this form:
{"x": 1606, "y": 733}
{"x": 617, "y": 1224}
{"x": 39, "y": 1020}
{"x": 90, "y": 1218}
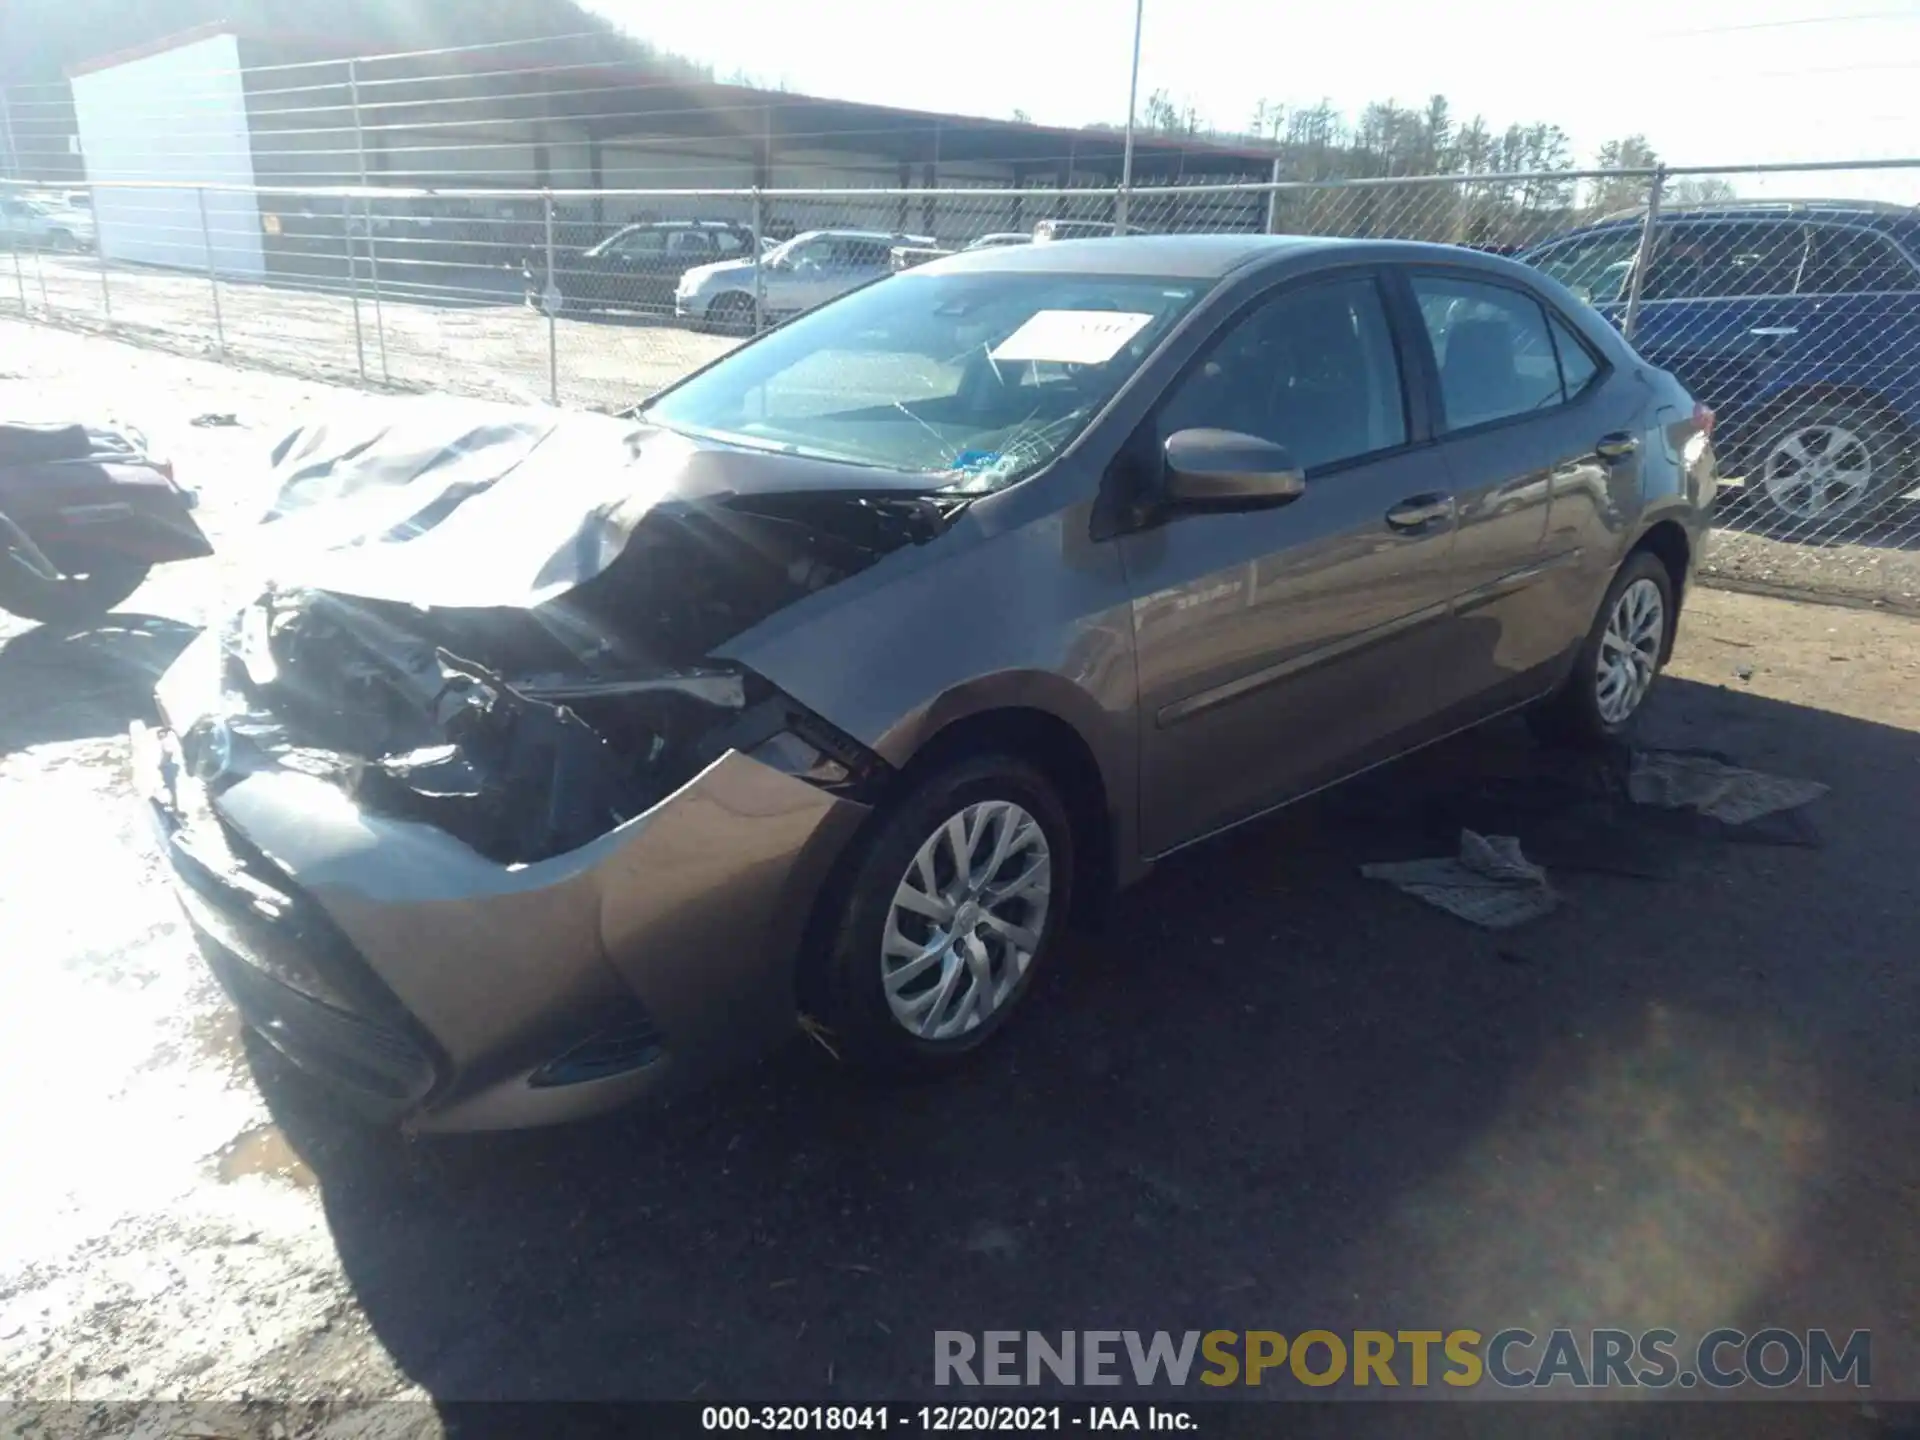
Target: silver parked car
{"x": 567, "y": 758}
{"x": 808, "y": 270}
{"x": 45, "y": 224}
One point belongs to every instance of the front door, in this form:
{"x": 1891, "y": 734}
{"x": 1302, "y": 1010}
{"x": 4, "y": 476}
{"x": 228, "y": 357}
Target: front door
{"x": 1279, "y": 649}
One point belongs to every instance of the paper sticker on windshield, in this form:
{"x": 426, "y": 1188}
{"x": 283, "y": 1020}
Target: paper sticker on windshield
{"x": 1072, "y": 337}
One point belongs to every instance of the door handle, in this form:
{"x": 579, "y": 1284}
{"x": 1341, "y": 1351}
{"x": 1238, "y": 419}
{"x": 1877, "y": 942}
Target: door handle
{"x": 1420, "y": 512}
{"x": 1617, "y": 446}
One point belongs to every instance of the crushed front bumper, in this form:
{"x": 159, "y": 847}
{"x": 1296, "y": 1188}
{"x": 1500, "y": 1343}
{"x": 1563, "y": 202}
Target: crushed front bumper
{"x": 429, "y": 984}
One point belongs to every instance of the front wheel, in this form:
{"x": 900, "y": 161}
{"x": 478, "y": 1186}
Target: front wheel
{"x": 1618, "y": 661}
{"x": 731, "y": 314}
{"x": 70, "y": 599}
{"x": 956, "y": 899}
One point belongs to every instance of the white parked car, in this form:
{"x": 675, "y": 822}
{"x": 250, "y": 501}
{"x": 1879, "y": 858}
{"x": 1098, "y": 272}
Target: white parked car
{"x": 44, "y": 225}
{"x": 808, "y": 270}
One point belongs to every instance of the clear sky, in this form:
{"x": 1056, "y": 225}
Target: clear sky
{"x": 1707, "y": 81}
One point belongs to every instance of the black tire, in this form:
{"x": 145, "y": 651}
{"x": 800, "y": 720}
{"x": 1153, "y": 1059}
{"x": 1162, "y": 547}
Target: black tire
{"x": 848, "y": 993}
{"x": 72, "y": 598}
{"x": 1573, "y": 714}
{"x": 731, "y": 314}
{"x": 1854, "y": 436}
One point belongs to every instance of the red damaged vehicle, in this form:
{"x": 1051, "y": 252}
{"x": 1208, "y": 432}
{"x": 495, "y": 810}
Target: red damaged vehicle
{"x": 84, "y": 515}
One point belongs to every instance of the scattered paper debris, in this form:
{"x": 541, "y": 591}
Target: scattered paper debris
{"x": 1490, "y": 883}
{"x": 1674, "y": 780}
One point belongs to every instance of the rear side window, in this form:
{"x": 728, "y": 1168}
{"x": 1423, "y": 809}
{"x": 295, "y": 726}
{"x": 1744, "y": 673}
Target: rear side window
{"x": 1851, "y": 262}
{"x": 1578, "y": 368}
{"x": 1706, "y": 260}
{"x": 1494, "y": 352}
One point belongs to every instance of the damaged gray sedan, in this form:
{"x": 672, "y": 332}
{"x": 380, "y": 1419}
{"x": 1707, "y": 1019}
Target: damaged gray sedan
{"x": 562, "y": 759}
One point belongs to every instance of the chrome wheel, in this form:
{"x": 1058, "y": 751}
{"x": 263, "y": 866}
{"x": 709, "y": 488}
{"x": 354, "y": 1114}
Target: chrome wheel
{"x": 966, "y": 920}
{"x": 1818, "y": 472}
{"x": 1630, "y": 651}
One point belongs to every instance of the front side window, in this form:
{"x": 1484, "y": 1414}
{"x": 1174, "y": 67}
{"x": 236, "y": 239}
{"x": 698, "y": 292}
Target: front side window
{"x": 639, "y": 242}
{"x": 1312, "y": 370}
{"x": 1594, "y": 267}
{"x": 860, "y": 254}
{"x": 1495, "y": 357}
{"x": 814, "y": 250}
{"x": 978, "y": 378}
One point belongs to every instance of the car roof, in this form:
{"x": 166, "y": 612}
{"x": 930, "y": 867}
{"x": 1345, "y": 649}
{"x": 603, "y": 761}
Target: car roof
{"x": 1215, "y": 257}
{"x": 1207, "y": 257}
{"x": 893, "y": 237}
{"x": 1877, "y": 214}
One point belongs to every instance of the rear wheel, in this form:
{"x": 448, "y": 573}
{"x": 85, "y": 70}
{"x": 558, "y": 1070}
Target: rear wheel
{"x": 1618, "y": 661}
{"x": 71, "y": 598}
{"x": 1823, "y": 462}
{"x": 958, "y": 897}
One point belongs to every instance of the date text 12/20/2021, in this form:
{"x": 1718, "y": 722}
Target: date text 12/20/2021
{"x": 945, "y": 1419}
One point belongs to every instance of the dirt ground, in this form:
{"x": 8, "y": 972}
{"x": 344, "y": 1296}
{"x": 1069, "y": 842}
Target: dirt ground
{"x": 1269, "y": 1094}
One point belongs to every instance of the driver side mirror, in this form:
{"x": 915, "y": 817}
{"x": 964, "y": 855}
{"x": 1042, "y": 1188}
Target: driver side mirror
{"x": 1226, "y": 470}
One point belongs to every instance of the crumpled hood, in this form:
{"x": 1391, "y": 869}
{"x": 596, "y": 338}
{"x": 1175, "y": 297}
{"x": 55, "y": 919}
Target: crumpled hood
{"x": 473, "y": 505}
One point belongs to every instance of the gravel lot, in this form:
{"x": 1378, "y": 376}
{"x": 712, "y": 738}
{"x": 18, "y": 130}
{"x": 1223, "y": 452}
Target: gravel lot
{"x": 1270, "y": 1094}
{"x": 474, "y": 336}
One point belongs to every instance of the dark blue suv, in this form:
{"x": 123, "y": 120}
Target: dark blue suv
{"x": 1797, "y": 322}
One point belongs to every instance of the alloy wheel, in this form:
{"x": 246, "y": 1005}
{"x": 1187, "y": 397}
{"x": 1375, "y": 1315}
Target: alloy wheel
{"x": 966, "y": 920}
{"x": 1630, "y": 651}
{"x": 1818, "y": 472}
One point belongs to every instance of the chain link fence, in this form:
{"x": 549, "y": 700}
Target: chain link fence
{"x": 1796, "y": 321}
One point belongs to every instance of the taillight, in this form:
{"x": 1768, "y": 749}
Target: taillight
{"x": 1702, "y": 418}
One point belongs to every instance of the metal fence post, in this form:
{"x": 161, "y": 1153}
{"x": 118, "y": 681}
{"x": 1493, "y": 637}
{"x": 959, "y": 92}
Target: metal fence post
{"x": 552, "y": 309}
{"x": 759, "y": 278}
{"x": 353, "y": 293}
{"x": 40, "y": 276}
{"x": 1273, "y": 200}
{"x": 19, "y": 280}
{"x": 366, "y": 214}
{"x": 100, "y": 255}
{"x": 213, "y": 273}
{"x": 1643, "y": 256}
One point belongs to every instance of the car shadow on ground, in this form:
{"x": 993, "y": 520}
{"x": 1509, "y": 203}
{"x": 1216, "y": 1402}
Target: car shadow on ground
{"x": 59, "y": 683}
{"x": 1269, "y": 1094}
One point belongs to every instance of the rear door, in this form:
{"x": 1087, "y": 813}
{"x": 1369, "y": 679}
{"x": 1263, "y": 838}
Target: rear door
{"x": 1524, "y": 409}
{"x": 1718, "y": 310}
{"x": 1279, "y": 649}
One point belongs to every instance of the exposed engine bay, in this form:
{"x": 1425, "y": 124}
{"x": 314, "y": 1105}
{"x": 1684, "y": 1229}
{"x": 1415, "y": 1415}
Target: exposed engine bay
{"x": 529, "y": 730}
